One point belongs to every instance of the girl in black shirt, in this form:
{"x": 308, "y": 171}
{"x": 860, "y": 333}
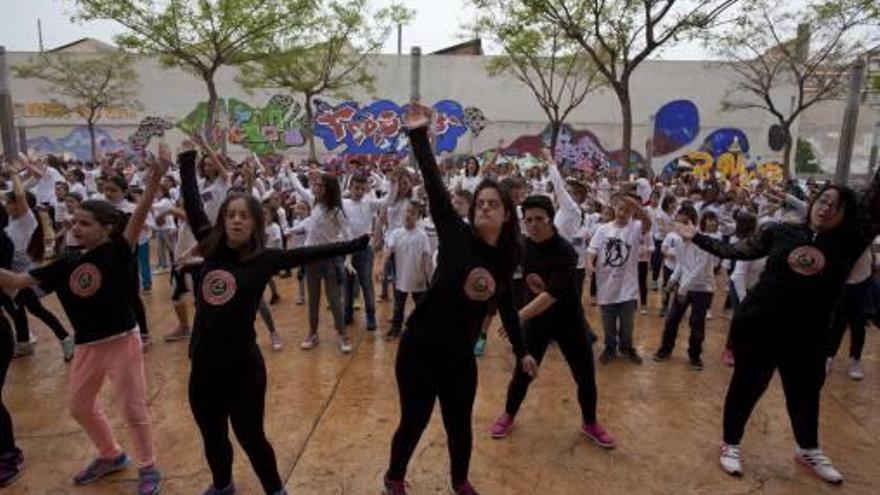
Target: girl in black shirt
{"x": 92, "y": 287}
{"x": 11, "y": 457}
{"x": 228, "y": 379}
{"x": 475, "y": 264}
{"x": 783, "y": 320}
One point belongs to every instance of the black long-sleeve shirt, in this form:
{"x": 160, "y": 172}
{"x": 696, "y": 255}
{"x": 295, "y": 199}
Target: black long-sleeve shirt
{"x": 448, "y": 318}
{"x": 805, "y": 270}
{"x": 229, "y": 293}
{"x": 550, "y": 266}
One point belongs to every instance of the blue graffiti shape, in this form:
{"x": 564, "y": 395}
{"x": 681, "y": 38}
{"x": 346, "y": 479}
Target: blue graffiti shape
{"x": 77, "y": 143}
{"x": 378, "y": 127}
{"x": 676, "y": 125}
{"x": 720, "y": 141}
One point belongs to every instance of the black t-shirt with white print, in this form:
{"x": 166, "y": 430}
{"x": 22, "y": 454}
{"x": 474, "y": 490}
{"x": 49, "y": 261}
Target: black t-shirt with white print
{"x": 93, "y": 288}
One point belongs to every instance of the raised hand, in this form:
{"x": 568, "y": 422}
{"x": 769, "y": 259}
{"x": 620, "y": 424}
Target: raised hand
{"x": 164, "y": 152}
{"x": 685, "y": 230}
{"x": 417, "y": 116}
{"x": 547, "y": 155}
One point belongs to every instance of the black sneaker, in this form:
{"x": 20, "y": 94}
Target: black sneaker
{"x": 392, "y": 333}
{"x": 633, "y": 356}
{"x": 696, "y": 364}
{"x": 607, "y": 356}
{"x": 11, "y": 467}
{"x": 661, "y": 355}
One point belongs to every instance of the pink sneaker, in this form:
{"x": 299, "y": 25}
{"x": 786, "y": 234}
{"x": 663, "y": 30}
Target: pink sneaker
{"x": 597, "y": 434}
{"x": 464, "y": 489}
{"x": 727, "y": 358}
{"x": 502, "y": 426}
{"x": 393, "y": 487}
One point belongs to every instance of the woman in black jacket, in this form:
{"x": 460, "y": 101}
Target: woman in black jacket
{"x": 475, "y": 264}
{"x": 782, "y": 322}
{"x": 228, "y": 379}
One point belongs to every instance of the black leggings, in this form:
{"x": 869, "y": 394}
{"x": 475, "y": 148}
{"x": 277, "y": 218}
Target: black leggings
{"x": 27, "y": 300}
{"x": 7, "y": 343}
{"x": 575, "y": 347}
{"x": 231, "y": 388}
{"x": 423, "y": 376}
{"x": 135, "y": 296}
{"x": 801, "y": 363}
{"x": 656, "y": 260}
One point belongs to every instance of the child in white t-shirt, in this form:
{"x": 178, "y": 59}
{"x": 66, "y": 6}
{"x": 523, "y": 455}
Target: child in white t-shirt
{"x": 296, "y": 237}
{"x": 614, "y": 257}
{"x": 412, "y": 264}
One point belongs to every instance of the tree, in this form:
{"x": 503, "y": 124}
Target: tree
{"x": 537, "y": 54}
{"x": 774, "y": 46}
{"x": 199, "y": 35}
{"x": 619, "y": 35}
{"x": 332, "y": 57}
{"x": 805, "y": 158}
{"x": 89, "y": 84}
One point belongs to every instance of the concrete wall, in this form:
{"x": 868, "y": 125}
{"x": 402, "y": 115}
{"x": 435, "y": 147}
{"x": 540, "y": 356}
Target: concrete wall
{"x": 509, "y": 107}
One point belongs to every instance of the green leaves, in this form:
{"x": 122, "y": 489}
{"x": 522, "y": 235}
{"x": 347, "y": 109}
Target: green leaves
{"x": 88, "y": 84}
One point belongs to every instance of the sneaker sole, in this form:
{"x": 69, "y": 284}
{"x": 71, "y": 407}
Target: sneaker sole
{"x": 804, "y": 464}
{"x": 17, "y": 476}
{"x": 604, "y": 445}
{"x": 155, "y": 491}
{"x": 735, "y": 474}
{"x": 103, "y": 475}
{"x": 501, "y": 436}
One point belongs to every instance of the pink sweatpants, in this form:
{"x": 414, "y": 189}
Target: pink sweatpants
{"x": 122, "y": 361}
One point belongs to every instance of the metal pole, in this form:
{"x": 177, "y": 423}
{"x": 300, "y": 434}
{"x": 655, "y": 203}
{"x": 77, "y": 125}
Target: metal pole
{"x": 7, "y": 129}
{"x": 850, "y": 119}
{"x": 415, "y": 74}
{"x": 875, "y": 144}
{"x": 22, "y": 138}
{"x": 400, "y": 39}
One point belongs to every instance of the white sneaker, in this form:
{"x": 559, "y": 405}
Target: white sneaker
{"x": 275, "y": 339}
{"x": 819, "y": 464}
{"x": 643, "y": 311}
{"x": 708, "y": 315}
{"x": 829, "y": 365}
{"x": 730, "y": 459}
{"x": 855, "y": 370}
{"x": 344, "y": 344}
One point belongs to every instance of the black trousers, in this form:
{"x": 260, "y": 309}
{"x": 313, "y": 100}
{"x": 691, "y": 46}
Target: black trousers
{"x": 850, "y": 311}
{"x": 580, "y": 276}
{"x": 7, "y": 344}
{"x": 699, "y": 302}
{"x": 575, "y": 347}
{"x": 643, "y": 283}
{"x": 230, "y": 387}
{"x": 761, "y": 349}
{"x": 425, "y": 375}
{"x": 135, "y": 296}
{"x": 400, "y": 305}
{"x": 26, "y": 300}
{"x": 656, "y": 260}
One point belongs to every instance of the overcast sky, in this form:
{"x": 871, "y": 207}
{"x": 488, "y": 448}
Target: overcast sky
{"x": 437, "y": 25}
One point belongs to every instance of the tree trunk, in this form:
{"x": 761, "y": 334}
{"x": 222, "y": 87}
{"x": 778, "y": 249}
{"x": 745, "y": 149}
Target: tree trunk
{"x": 213, "y": 100}
{"x": 626, "y": 113}
{"x": 555, "y": 127}
{"x": 787, "y": 173}
{"x": 92, "y": 142}
{"x": 310, "y": 130}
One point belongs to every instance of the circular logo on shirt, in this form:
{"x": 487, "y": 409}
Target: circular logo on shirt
{"x": 535, "y": 283}
{"x": 806, "y": 260}
{"x": 85, "y": 280}
{"x": 218, "y": 287}
{"x": 479, "y": 285}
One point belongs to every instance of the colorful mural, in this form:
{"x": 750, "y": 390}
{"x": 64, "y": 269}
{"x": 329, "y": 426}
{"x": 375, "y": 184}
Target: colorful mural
{"x": 149, "y": 128}
{"x": 57, "y": 110}
{"x": 77, "y": 143}
{"x": 676, "y": 125}
{"x": 377, "y": 128}
{"x": 270, "y": 129}
{"x": 580, "y": 149}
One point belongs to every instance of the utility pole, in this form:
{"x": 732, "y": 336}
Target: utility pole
{"x": 7, "y": 128}
{"x": 850, "y": 120}
{"x": 415, "y": 76}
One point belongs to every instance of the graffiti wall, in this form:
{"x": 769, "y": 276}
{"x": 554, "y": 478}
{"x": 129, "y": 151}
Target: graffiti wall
{"x": 77, "y": 143}
{"x": 56, "y": 110}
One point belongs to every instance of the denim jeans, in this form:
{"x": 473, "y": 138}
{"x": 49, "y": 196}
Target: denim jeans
{"x": 363, "y": 264}
{"x": 699, "y": 302}
{"x": 319, "y": 272}
{"x": 617, "y": 322}
{"x": 143, "y": 256}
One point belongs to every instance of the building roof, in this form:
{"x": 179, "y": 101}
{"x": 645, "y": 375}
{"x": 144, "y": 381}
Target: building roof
{"x": 84, "y": 45}
{"x": 470, "y": 47}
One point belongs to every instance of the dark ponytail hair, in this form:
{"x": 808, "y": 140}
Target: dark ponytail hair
{"x": 106, "y": 214}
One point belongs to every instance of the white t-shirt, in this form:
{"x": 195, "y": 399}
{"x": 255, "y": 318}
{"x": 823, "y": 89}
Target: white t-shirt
{"x": 412, "y": 255}
{"x": 161, "y": 207}
{"x": 361, "y": 214}
{"x": 299, "y": 232}
{"x": 44, "y": 189}
{"x": 273, "y": 236}
{"x": 617, "y": 261}
{"x": 213, "y": 195}
{"x": 669, "y": 248}
{"x": 20, "y": 231}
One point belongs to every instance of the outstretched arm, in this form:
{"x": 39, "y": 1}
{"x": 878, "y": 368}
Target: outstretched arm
{"x": 300, "y": 256}
{"x": 192, "y": 201}
{"x": 751, "y": 248}
{"x": 15, "y": 281}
